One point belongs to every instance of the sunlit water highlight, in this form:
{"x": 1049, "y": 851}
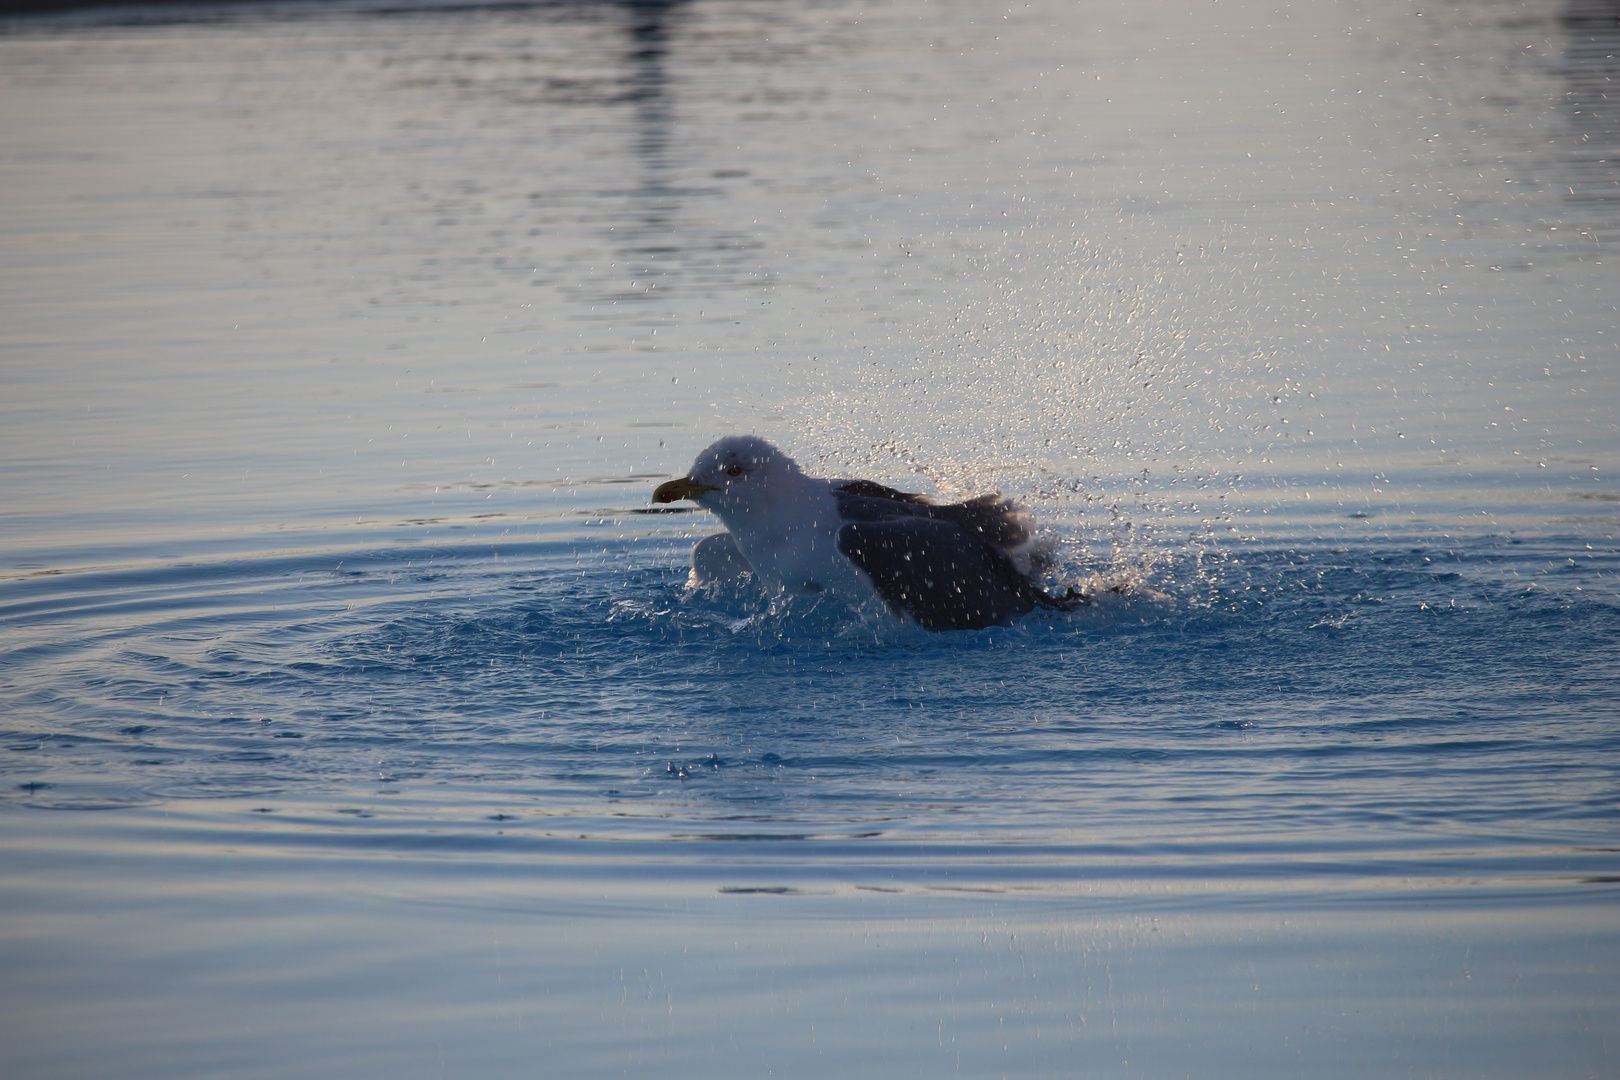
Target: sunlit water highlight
{"x": 358, "y": 719}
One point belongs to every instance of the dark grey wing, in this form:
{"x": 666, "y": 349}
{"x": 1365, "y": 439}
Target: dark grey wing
{"x": 996, "y": 520}
{"x": 941, "y": 574}
{"x": 877, "y": 508}
{"x": 870, "y": 489}
{"x": 991, "y": 518}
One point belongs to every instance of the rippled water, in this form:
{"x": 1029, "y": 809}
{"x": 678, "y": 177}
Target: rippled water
{"x": 358, "y": 719}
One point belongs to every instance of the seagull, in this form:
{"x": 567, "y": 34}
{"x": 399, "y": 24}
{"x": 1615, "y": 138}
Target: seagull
{"x": 955, "y": 566}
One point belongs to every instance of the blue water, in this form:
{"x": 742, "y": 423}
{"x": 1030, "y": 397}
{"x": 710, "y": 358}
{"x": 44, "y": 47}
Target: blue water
{"x": 1450, "y": 707}
{"x": 358, "y": 718}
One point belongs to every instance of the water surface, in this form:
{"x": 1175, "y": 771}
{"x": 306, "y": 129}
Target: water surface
{"x": 358, "y": 719}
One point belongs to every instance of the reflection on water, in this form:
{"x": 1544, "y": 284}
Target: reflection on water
{"x": 650, "y": 30}
{"x": 1591, "y": 65}
{"x": 1545, "y": 113}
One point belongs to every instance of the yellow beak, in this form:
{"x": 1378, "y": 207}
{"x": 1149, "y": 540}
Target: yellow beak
{"x": 684, "y": 488}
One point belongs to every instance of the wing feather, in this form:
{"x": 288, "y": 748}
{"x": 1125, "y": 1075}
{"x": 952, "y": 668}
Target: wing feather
{"x": 942, "y": 574}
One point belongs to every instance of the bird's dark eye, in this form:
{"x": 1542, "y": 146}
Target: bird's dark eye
{"x": 735, "y": 470}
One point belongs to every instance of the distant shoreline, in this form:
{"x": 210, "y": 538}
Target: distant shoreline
{"x": 10, "y": 8}
{"x": 48, "y": 7}
{"x": 42, "y": 7}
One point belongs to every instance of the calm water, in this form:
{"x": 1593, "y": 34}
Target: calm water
{"x": 357, "y": 720}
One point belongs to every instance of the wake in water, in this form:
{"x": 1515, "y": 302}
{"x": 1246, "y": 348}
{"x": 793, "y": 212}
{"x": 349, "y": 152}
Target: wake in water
{"x": 537, "y": 678}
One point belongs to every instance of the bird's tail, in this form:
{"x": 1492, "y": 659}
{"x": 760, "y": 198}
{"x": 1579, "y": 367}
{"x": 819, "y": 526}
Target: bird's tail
{"x": 1072, "y": 600}
{"x": 1069, "y": 601}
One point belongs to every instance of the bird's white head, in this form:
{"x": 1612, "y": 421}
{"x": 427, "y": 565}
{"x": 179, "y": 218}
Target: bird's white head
{"x": 735, "y": 474}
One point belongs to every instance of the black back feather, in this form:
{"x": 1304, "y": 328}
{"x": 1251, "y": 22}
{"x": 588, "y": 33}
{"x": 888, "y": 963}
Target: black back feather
{"x": 939, "y": 573}
{"x": 991, "y": 518}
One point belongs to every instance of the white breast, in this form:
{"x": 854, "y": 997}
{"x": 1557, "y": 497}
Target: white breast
{"x": 793, "y": 542}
